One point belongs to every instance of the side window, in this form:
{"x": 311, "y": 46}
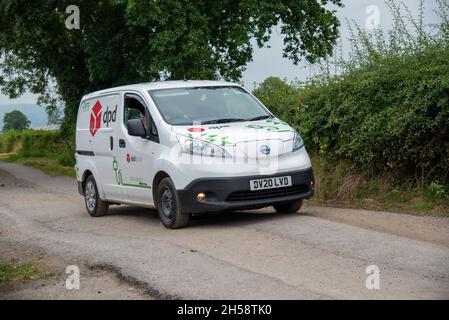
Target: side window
{"x": 134, "y": 108}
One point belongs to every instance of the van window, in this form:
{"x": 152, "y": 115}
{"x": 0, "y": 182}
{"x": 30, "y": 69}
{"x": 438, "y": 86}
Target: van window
{"x": 183, "y": 106}
{"x": 135, "y": 109}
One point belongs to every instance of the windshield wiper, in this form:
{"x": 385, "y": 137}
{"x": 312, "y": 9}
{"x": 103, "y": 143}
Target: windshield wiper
{"x": 260, "y": 117}
{"x": 223, "y": 120}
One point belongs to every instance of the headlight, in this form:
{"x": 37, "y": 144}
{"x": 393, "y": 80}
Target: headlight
{"x": 297, "y": 142}
{"x": 202, "y": 148}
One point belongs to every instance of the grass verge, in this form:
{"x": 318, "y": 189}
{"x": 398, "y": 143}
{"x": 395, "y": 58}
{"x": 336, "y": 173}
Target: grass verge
{"x": 49, "y": 166}
{"x": 12, "y": 273}
{"x": 339, "y": 185}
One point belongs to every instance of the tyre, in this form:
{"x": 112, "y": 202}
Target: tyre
{"x": 94, "y": 205}
{"x": 169, "y": 208}
{"x": 290, "y": 207}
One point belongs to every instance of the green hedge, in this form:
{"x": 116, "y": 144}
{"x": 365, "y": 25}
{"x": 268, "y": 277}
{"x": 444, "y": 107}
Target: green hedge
{"x": 389, "y": 118}
{"x": 39, "y": 143}
{"x": 9, "y": 141}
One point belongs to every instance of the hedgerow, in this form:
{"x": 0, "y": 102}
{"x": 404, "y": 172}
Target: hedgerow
{"x": 386, "y": 110}
{"x": 38, "y": 143}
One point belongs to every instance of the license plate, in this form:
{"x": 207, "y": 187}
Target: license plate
{"x": 270, "y": 183}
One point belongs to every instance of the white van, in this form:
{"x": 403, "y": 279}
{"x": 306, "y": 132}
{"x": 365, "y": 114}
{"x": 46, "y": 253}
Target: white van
{"x": 187, "y": 147}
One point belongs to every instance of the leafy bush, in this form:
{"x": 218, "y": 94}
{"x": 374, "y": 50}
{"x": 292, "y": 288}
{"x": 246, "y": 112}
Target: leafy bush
{"x": 389, "y": 118}
{"x": 386, "y": 111}
{"x": 9, "y": 141}
{"x": 279, "y": 97}
{"x": 437, "y": 191}
{"x": 39, "y": 143}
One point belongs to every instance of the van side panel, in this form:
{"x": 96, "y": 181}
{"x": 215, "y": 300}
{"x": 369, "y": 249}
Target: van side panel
{"x": 96, "y": 144}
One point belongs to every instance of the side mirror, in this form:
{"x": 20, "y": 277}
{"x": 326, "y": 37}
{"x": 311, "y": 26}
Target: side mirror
{"x": 136, "y": 128}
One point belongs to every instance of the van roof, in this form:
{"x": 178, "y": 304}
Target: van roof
{"x": 171, "y": 84}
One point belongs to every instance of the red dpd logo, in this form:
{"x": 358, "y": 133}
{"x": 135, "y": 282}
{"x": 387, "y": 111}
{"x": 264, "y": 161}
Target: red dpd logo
{"x": 95, "y": 118}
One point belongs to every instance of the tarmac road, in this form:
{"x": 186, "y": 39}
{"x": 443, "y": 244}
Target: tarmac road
{"x": 319, "y": 253}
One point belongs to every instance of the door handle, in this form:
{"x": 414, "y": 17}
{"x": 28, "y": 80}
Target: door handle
{"x": 122, "y": 143}
{"x": 111, "y": 142}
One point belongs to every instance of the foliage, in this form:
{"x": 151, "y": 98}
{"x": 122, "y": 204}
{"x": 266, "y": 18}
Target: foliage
{"x": 339, "y": 183}
{"x": 279, "y": 97}
{"x": 437, "y": 191}
{"x": 54, "y": 116}
{"x": 15, "y": 120}
{"x": 134, "y": 41}
{"x": 392, "y": 118}
{"x": 387, "y": 111}
{"x": 21, "y": 272}
{"x": 40, "y": 144}
{"x": 9, "y": 141}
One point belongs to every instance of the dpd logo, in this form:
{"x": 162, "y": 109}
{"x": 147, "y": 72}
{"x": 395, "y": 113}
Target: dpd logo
{"x": 95, "y": 118}
{"x": 109, "y": 116}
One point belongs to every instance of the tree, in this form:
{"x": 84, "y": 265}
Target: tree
{"x": 15, "y": 120}
{"x": 280, "y": 97}
{"x": 128, "y": 41}
{"x": 54, "y": 115}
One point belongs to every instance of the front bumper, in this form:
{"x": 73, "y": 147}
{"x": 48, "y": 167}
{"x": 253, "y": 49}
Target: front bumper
{"x": 233, "y": 193}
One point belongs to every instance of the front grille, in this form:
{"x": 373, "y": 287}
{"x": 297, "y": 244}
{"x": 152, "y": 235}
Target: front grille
{"x": 267, "y": 194}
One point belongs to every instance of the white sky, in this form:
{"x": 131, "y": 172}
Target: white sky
{"x": 269, "y": 61}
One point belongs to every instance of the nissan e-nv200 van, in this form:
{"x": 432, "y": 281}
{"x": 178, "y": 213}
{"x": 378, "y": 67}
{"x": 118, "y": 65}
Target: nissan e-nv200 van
{"x": 186, "y": 147}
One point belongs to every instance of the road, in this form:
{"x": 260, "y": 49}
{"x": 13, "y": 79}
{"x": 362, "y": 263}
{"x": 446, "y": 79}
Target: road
{"x": 319, "y": 253}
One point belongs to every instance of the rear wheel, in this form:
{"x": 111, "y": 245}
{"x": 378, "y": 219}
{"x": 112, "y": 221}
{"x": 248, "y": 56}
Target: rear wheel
{"x": 290, "y": 207}
{"x": 94, "y": 205}
{"x": 169, "y": 208}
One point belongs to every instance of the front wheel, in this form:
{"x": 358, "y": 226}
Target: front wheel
{"x": 169, "y": 207}
{"x": 94, "y": 205}
{"x": 290, "y": 207}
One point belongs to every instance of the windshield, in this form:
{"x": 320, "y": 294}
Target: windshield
{"x": 184, "y": 106}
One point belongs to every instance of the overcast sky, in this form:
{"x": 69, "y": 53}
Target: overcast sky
{"x": 269, "y": 61}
